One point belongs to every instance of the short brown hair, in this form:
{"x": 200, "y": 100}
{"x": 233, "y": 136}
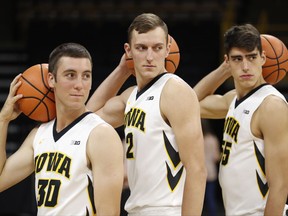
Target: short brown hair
{"x": 146, "y": 22}
{"x": 242, "y": 36}
{"x": 73, "y": 50}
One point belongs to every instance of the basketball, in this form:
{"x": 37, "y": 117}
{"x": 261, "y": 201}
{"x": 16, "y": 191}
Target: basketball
{"x": 171, "y": 61}
{"x": 38, "y": 98}
{"x": 276, "y": 65}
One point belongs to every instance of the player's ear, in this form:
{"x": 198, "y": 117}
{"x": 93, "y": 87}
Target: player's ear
{"x": 226, "y": 58}
{"x": 127, "y": 50}
{"x": 263, "y": 57}
{"x": 168, "y": 49}
{"x": 51, "y": 80}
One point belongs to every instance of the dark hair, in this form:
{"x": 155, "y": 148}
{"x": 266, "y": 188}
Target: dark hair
{"x": 146, "y": 22}
{"x": 242, "y": 36}
{"x": 73, "y": 50}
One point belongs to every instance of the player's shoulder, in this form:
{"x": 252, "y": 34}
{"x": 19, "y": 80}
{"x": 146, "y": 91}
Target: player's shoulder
{"x": 103, "y": 133}
{"x": 272, "y": 107}
{"x": 96, "y": 121}
{"x": 176, "y": 91}
{"x": 272, "y": 113}
{"x": 175, "y": 81}
{"x": 90, "y": 120}
{"x": 102, "y": 128}
{"x": 274, "y": 102}
{"x": 127, "y": 92}
{"x": 34, "y": 130}
{"x": 229, "y": 96}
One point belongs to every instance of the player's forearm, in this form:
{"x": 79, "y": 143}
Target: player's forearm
{"x": 193, "y": 197}
{"x": 276, "y": 202}
{"x": 211, "y": 82}
{"x": 3, "y": 138}
{"x": 108, "y": 88}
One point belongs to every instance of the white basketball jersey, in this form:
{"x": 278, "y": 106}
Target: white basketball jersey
{"x": 155, "y": 173}
{"x": 63, "y": 183}
{"x": 242, "y": 167}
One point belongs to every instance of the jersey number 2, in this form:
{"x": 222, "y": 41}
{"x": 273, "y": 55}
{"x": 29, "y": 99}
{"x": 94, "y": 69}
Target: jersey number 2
{"x": 129, "y": 142}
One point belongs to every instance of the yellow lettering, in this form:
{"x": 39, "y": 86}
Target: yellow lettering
{"x": 135, "y": 118}
{"x": 231, "y": 127}
{"x": 56, "y": 162}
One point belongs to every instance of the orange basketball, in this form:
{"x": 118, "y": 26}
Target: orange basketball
{"x": 171, "y": 61}
{"x": 276, "y": 65}
{"x": 38, "y": 98}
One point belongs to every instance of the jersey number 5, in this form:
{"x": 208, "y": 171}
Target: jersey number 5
{"x": 226, "y": 148}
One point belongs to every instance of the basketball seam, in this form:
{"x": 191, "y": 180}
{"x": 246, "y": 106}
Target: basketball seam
{"x": 41, "y": 101}
{"x": 45, "y": 95}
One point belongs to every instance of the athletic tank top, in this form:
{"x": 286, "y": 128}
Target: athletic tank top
{"x": 63, "y": 183}
{"x": 242, "y": 167}
{"x": 155, "y": 173}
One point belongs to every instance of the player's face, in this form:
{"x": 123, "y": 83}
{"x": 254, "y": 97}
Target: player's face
{"x": 74, "y": 79}
{"x": 246, "y": 67}
{"x": 148, "y": 51}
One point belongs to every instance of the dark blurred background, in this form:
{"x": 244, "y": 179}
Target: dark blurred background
{"x": 30, "y": 29}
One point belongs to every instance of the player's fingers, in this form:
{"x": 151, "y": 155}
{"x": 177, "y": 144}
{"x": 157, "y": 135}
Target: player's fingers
{"x": 15, "y": 85}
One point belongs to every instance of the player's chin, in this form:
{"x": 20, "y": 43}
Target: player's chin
{"x": 77, "y": 101}
{"x": 76, "y": 106}
{"x": 249, "y": 83}
{"x": 152, "y": 71}
{"x": 150, "y": 75}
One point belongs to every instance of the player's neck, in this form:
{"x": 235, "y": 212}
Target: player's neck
{"x": 66, "y": 117}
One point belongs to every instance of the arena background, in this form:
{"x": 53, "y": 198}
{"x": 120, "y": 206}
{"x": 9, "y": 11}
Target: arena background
{"x": 30, "y": 29}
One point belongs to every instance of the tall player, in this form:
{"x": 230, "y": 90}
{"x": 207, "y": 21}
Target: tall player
{"x": 76, "y": 173}
{"x": 164, "y": 142}
{"x": 254, "y": 168}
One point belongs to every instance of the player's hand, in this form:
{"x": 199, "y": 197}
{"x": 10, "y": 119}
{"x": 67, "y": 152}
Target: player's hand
{"x": 123, "y": 65}
{"x": 10, "y": 110}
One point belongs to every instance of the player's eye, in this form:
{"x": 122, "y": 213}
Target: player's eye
{"x": 158, "y": 48}
{"x": 252, "y": 57}
{"x": 87, "y": 75}
{"x": 70, "y": 75}
{"x": 237, "y": 58}
{"x": 140, "y": 48}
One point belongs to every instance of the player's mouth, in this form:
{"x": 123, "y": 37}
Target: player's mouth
{"x": 76, "y": 95}
{"x": 246, "y": 76}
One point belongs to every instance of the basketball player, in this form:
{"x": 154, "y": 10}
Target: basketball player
{"x": 254, "y": 168}
{"x": 76, "y": 173}
{"x": 164, "y": 142}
